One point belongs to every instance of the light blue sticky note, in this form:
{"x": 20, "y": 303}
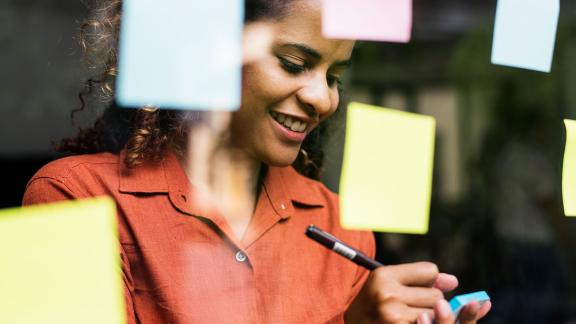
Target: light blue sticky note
{"x": 458, "y": 302}
{"x": 525, "y": 33}
{"x": 181, "y": 54}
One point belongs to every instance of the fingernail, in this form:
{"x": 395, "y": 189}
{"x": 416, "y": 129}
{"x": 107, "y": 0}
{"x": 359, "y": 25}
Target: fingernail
{"x": 443, "y": 308}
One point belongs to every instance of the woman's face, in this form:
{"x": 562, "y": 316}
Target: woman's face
{"x": 291, "y": 88}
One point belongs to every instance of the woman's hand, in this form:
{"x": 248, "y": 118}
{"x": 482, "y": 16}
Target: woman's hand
{"x": 409, "y": 293}
{"x": 470, "y": 314}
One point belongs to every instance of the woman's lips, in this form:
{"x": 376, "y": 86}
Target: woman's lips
{"x": 290, "y": 127}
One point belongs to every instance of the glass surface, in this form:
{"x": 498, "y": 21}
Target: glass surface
{"x": 496, "y": 216}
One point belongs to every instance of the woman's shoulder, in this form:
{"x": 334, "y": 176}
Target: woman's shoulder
{"x": 71, "y": 177}
{"x": 66, "y": 167}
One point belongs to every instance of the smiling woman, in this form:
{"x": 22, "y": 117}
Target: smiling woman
{"x": 147, "y": 133}
{"x": 290, "y": 91}
{"x": 189, "y": 258}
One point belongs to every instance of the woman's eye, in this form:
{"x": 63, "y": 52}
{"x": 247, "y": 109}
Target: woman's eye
{"x": 333, "y": 80}
{"x": 291, "y": 67}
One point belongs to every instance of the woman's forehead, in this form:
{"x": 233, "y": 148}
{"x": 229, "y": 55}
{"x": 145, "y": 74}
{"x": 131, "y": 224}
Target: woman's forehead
{"x": 303, "y": 25}
{"x": 303, "y": 13}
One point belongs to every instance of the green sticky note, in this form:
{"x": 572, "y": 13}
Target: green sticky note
{"x": 60, "y": 263}
{"x": 569, "y": 169}
{"x": 386, "y": 180}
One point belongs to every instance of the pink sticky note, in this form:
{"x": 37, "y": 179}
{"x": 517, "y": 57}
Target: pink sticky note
{"x": 372, "y": 20}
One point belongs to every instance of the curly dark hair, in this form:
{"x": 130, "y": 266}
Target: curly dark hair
{"x": 147, "y": 132}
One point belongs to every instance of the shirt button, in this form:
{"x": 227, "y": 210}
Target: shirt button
{"x": 240, "y": 256}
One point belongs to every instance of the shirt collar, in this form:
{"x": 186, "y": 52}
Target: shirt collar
{"x": 149, "y": 177}
{"x": 162, "y": 177}
{"x": 283, "y": 185}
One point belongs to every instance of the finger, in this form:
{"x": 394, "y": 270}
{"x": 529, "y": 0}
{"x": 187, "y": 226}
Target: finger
{"x": 412, "y": 274}
{"x": 474, "y": 311}
{"x": 416, "y": 312}
{"x": 446, "y": 282}
{"x": 424, "y": 318}
{"x": 484, "y": 309}
{"x": 443, "y": 314}
{"x": 419, "y": 296}
{"x": 395, "y": 311}
{"x": 469, "y": 314}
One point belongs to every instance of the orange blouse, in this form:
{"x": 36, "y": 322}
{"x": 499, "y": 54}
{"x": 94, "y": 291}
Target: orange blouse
{"x": 182, "y": 264}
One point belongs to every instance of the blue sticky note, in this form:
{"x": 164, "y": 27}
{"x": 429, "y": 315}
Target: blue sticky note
{"x": 181, "y": 54}
{"x": 458, "y": 302}
{"x": 525, "y": 33}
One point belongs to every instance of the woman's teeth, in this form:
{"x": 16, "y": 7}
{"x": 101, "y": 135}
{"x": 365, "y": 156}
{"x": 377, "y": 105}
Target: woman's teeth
{"x": 292, "y": 124}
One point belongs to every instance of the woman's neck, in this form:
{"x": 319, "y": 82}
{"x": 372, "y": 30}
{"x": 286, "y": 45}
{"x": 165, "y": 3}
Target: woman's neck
{"x": 230, "y": 177}
{"x": 250, "y": 172}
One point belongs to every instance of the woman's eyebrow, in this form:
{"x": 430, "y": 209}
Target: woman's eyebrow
{"x": 305, "y": 49}
{"x": 314, "y": 53}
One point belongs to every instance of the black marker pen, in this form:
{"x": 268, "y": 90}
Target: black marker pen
{"x": 341, "y": 248}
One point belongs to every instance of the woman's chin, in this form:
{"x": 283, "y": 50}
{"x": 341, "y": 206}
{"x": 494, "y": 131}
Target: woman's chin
{"x": 280, "y": 160}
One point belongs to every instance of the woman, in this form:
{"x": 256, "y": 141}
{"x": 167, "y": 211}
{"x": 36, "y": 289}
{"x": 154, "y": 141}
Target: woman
{"x": 185, "y": 259}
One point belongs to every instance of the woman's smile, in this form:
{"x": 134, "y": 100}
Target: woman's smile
{"x": 290, "y": 122}
{"x": 289, "y": 127}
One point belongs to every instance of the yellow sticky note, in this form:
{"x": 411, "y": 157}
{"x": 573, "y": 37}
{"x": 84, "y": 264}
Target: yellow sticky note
{"x": 60, "y": 263}
{"x": 569, "y": 169}
{"x": 386, "y": 180}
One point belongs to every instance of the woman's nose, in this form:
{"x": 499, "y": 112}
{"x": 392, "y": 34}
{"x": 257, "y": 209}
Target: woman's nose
{"x": 316, "y": 96}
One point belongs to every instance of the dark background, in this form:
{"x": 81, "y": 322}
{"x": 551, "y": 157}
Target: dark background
{"x": 482, "y": 112}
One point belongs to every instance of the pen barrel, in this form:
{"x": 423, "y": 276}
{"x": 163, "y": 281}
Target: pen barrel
{"x": 321, "y": 237}
{"x": 341, "y": 248}
{"x": 368, "y": 263}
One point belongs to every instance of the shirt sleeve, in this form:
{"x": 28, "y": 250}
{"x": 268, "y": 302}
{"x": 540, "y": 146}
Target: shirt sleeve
{"x": 42, "y": 190}
{"x": 368, "y": 246}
